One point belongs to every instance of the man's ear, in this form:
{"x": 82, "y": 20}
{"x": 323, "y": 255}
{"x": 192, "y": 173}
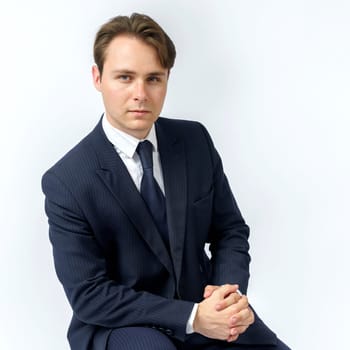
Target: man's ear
{"x": 96, "y": 77}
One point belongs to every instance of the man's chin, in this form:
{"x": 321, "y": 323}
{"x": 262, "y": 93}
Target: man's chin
{"x": 140, "y": 130}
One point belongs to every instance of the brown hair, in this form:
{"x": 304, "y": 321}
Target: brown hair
{"x": 140, "y": 26}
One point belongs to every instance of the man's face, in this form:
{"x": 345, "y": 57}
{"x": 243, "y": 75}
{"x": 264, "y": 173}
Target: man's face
{"x": 133, "y": 85}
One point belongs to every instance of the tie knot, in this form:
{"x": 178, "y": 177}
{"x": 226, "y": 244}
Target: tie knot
{"x": 144, "y": 150}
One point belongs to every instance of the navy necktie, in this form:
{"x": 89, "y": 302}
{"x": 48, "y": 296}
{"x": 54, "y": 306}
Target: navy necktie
{"x": 150, "y": 190}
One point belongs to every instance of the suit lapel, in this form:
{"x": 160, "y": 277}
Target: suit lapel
{"x": 117, "y": 178}
{"x": 173, "y": 161}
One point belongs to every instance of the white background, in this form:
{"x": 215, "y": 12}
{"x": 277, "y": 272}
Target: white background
{"x": 269, "y": 79}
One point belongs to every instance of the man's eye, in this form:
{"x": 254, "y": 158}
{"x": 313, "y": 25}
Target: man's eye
{"x": 124, "y": 77}
{"x": 154, "y": 79}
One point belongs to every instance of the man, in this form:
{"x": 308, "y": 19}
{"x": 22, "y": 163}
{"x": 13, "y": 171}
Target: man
{"x": 131, "y": 207}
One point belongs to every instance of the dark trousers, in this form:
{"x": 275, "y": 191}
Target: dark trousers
{"x": 142, "y": 338}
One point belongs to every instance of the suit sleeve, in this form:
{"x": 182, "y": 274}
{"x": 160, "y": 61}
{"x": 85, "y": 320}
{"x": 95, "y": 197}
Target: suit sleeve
{"x": 229, "y": 233}
{"x": 81, "y": 268}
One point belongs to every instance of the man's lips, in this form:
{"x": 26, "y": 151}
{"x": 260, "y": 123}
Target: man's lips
{"x": 139, "y": 111}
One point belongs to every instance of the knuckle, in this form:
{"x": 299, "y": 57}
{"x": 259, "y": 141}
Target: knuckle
{"x": 238, "y": 319}
{"x": 245, "y": 301}
{"x": 221, "y": 305}
{"x": 235, "y": 337}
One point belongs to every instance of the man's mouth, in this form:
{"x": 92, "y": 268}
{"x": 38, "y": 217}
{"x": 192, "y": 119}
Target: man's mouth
{"x": 140, "y": 111}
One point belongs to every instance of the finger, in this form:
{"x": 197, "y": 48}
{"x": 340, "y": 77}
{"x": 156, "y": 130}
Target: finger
{"x": 208, "y": 290}
{"x": 226, "y": 289}
{"x": 232, "y": 338}
{"x": 236, "y": 331}
{"x": 244, "y": 318}
{"x": 239, "y": 319}
{"x": 233, "y": 335}
{"x": 231, "y": 299}
{"x": 241, "y": 304}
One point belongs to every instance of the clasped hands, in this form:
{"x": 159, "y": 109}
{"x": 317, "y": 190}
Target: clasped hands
{"x": 223, "y": 314}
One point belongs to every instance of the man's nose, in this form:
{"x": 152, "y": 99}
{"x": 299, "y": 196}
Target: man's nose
{"x": 140, "y": 93}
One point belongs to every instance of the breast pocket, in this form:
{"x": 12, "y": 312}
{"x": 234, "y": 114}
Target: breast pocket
{"x": 204, "y": 198}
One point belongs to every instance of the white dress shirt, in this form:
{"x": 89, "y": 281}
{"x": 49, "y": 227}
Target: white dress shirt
{"x": 125, "y": 145}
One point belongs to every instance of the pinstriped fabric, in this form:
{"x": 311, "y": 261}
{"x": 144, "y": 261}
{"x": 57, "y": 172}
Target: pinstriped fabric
{"x": 202, "y": 343}
{"x": 139, "y": 338}
{"x": 109, "y": 255}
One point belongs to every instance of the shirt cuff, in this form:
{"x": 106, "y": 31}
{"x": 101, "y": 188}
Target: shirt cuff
{"x": 189, "y": 325}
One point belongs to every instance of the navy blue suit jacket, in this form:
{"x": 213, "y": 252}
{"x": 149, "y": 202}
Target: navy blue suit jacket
{"x": 108, "y": 254}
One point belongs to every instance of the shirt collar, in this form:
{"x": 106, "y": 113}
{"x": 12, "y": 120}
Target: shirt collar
{"x": 125, "y": 142}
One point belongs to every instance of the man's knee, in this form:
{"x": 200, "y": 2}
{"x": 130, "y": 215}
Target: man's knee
{"x": 139, "y": 338}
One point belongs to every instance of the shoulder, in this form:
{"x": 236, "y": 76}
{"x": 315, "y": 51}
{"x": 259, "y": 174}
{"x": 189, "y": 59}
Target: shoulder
{"x": 80, "y": 158}
{"x": 178, "y": 123}
{"x": 181, "y": 127}
{"x": 191, "y": 132}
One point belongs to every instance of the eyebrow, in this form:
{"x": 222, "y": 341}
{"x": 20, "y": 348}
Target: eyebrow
{"x": 123, "y": 71}
{"x": 127, "y": 71}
